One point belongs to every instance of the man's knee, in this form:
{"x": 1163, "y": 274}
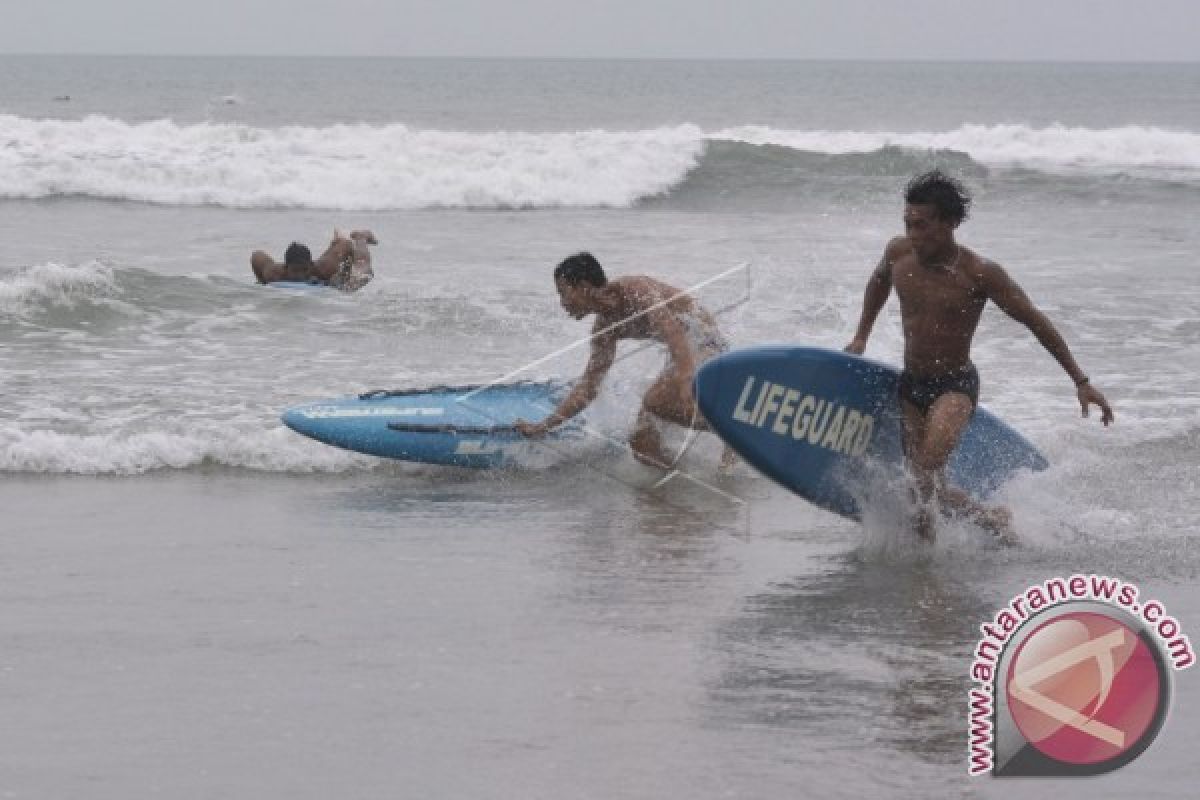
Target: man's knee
{"x": 658, "y": 398}
{"x": 671, "y": 399}
{"x": 928, "y": 459}
{"x": 645, "y": 433}
{"x": 924, "y": 479}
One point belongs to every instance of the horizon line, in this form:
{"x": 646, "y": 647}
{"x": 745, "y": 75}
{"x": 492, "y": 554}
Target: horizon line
{"x": 558, "y": 58}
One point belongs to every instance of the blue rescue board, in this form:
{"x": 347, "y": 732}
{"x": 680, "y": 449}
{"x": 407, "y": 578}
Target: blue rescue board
{"x": 463, "y": 426}
{"x": 817, "y": 420}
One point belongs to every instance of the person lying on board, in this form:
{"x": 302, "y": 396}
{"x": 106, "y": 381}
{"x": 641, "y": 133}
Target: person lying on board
{"x": 345, "y": 264}
{"x": 636, "y": 307}
{"x": 943, "y": 288}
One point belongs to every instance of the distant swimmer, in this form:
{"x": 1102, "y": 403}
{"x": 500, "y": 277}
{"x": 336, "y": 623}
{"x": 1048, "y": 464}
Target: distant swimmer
{"x": 943, "y": 288}
{"x": 636, "y": 307}
{"x": 345, "y": 264}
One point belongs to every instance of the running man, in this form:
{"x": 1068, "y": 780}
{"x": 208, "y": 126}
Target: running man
{"x": 943, "y": 288}
{"x": 636, "y": 307}
{"x": 345, "y": 264}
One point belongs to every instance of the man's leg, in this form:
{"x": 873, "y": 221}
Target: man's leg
{"x": 671, "y": 399}
{"x": 339, "y": 251}
{"x": 646, "y": 442}
{"x": 997, "y": 520}
{"x": 661, "y": 400}
{"x": 946, "y": 420}
{"x": 913, "y": 435}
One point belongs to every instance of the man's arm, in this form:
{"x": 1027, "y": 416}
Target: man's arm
{"x": 1012, "y": 300}
{"x": 878, "y": 288}
{"x": 604, "y": 352}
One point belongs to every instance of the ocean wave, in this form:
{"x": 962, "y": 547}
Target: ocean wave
{"x": 82, "y": 291}
{"x": 54, "y": 285}
{"x": 772, "y": 177}
{"x": 350, "y": 167}
{"x": 394, "y": 167}
{"x": 1055, "y": 147}
{"x": 273, "y": 449}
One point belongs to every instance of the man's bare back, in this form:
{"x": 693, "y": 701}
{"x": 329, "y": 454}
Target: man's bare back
{"x": 650, "y": 309}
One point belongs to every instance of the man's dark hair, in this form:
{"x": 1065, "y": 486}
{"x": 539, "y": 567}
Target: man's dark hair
{"x": 298, "y": 255}
{"x": 580, "y": 268}
{"x": 936, "y": 188}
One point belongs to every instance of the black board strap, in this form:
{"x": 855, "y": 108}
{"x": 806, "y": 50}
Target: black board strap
{"x": 443, "y": 389}
{"x": 453, "y": 430}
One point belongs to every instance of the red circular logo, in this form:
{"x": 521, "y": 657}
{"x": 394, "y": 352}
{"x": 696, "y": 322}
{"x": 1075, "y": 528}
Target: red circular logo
{"x": 1084, "y": 688}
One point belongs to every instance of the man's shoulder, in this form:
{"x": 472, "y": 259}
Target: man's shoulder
{"x": 626, "y": 285}
{"x": 978, "y": 266}
{"x": 642, "y": 291}
{"x": 896, "y": 250}
{"x": 637, "y": 283}
{"x": 898, "y": 247}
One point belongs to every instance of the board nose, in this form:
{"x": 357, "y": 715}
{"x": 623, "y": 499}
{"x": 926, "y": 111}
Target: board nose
{"x": 295, "y": 419}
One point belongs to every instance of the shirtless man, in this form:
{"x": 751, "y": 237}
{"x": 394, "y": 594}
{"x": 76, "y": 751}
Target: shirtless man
{"x": 943, "y": 288}
{"x": 636, "y": 307}
{"x": 345, "y": 264}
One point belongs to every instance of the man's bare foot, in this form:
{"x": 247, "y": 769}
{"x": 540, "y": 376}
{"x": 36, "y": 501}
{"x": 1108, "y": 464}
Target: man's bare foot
{"x": 646, "y": 445}
{"x": 998, "y": 522}
{"x": 657, "y": 460}
{"x": 728, "y": 461}
{"x": 649, "y": 453}
{"x": 923, "y": 525}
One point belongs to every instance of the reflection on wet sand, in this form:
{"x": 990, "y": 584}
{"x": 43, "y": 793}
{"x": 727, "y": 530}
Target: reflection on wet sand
{"x": 879, "y": 650}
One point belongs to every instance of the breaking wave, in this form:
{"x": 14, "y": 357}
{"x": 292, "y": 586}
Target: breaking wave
{"x": 395, "y": 167}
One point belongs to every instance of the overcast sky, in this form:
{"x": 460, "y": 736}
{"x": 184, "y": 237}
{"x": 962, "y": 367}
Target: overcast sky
{"x": 1058, "y": 30}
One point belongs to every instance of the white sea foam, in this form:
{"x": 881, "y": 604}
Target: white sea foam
{"x": 54, "y": 284}
{"x": 273, "y": 449}
{"x": 355, "y": 167}
{"x": 363, "y": 167}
